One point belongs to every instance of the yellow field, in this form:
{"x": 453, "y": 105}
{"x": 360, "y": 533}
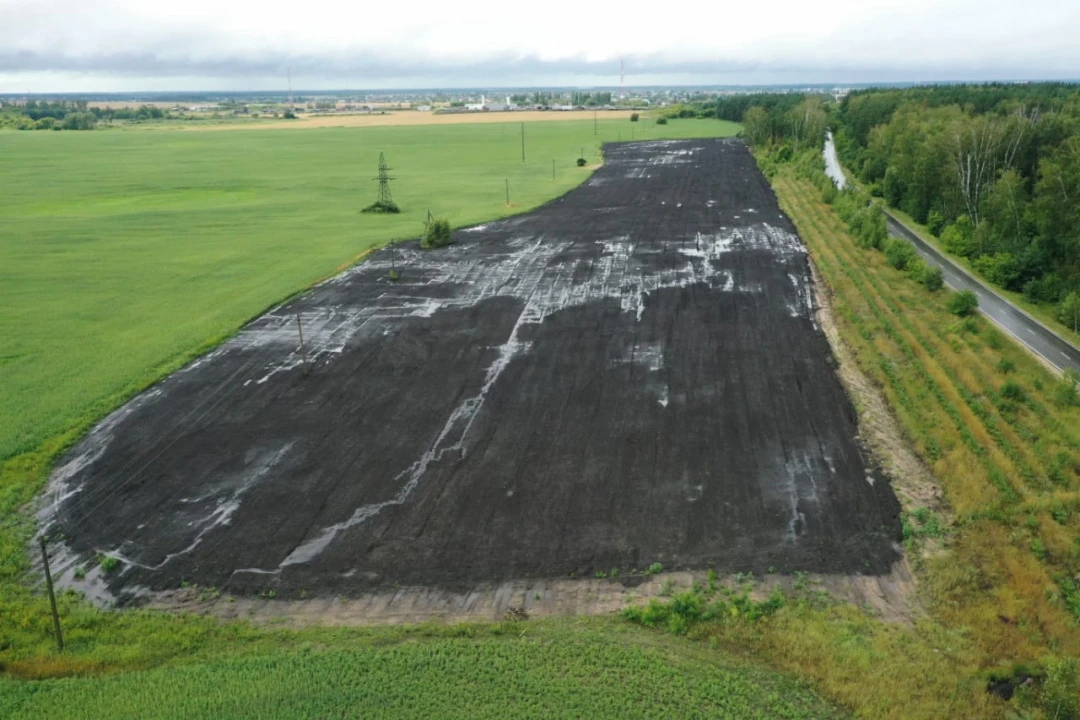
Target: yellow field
{"x": 415, "y": 117}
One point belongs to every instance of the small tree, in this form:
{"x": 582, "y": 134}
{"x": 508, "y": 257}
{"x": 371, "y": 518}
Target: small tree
{"x": 437, "y": 235}
{"x": 1069, "y": 311}
{"x": 581, "y": 162}
{"x": 634, "y": 117}
{"x": 963, "y": 303}
{"x": 661, "y": 121}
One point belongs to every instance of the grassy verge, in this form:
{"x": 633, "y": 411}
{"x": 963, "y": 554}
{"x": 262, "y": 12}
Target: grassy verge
{"x": 1003, "y": 438}
{"x": 1041, "y": 313}
{"x": 547, "y": 669}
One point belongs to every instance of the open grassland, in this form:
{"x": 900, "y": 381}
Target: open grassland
{"x": 549, "y": 669}
{"x": 998, "y": 567}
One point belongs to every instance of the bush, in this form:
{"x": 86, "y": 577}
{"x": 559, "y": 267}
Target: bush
{"x": 581, "y": 162}
{"x": 437, "y": 235}
{"x": 1048, "y": 289}
{"x": 661, "y": 121}
{"x": 1065, "y": 391}
{"x": 1069, "y": 311}
{"x": 963, "y": 303}
{"x": 935, "y": 222}
{"x": 1000, "y": 268}
{"x": 634, "y": 117}
{"x": 959, "y": 238}
{"x": 931, "y": 278}
{"x": 899, "y": 254}
{"x": 1011, "y": 390}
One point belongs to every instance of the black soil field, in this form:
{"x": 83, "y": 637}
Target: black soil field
{"x": 630, "y": 374}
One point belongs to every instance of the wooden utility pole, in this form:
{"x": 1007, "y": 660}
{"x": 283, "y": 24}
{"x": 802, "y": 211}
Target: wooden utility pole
{"x": 522, "y": 142}
{"x": 303, "y": 350}
{"x": 508, "y": 192}
{"x": 52, "y": 596}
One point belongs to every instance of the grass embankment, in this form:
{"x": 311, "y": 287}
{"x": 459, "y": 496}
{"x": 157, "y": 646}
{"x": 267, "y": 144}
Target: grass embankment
{"x": 124, "y": 255}
{"x": 547, "y": 669}
{"x": 1003, "y": 438}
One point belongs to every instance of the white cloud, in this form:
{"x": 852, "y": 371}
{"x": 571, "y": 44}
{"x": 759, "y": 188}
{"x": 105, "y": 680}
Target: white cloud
{"x": 55, "y": 45}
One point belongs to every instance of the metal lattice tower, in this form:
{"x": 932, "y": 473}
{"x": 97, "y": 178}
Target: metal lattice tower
{"x": 384, "y": 183}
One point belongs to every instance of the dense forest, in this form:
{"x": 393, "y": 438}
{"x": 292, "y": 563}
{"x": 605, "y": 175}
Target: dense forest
{"x": 993, "y": 170}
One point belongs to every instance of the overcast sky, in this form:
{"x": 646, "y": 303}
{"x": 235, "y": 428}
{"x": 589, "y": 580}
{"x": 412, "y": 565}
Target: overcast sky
{"x": 133, "y": 45}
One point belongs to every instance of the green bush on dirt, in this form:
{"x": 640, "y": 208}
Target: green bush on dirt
{"x": 437, "y": 235}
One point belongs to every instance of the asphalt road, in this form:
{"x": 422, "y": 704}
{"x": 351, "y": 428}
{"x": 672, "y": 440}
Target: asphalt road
{"x": 1029, "y": 331}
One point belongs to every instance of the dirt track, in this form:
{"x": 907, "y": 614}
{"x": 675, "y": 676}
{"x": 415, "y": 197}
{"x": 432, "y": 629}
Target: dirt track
{"x": 631, "y": 374}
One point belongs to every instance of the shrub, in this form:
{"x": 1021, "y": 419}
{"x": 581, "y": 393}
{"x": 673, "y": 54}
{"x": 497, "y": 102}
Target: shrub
{"x": 963, "y": 303}
{"x": 1005, "y": 366}
{"x": 959, "y": 238}
{"x": 581, "y": 162}
{"x": 931, "y": 278}
{"x": 1000, "y": 268}
{"x": 1065, "y": 392}
{"x": 108, "y": 564}
{"x": 1069, "y": 311}
{"x": 935, "y": 222}
{"x": 634, "y": 117}
{"x": 437, "y": 235}
{"x": 654, "y": 569}
{"x": 1011, "y": 390}
{"x": 661, "y": 121}
{"x": 1049, "y": 289}
{"x": 899, "y": 254}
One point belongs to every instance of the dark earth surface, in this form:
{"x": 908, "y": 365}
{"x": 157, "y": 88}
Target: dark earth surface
{"x": 630, "y": 374}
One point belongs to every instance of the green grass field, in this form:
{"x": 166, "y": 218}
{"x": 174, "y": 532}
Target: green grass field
{"x": 550, "y": 669}
{"x": 122, "y": 252}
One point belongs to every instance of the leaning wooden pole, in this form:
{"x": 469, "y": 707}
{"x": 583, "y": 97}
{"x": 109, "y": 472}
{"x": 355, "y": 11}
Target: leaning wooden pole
{"x": 52, "y": 596}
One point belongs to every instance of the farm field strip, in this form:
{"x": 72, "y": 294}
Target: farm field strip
{"x": 1009, "y": 469}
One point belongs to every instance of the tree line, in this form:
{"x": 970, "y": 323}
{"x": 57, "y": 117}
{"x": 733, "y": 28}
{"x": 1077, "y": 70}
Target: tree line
{"x": 70, "y": 115}
{"x": 992, "y": 170}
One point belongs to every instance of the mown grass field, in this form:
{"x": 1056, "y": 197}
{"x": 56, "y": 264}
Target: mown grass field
{"x": 549, "y": 669}
{"x": 122, "y": 253}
